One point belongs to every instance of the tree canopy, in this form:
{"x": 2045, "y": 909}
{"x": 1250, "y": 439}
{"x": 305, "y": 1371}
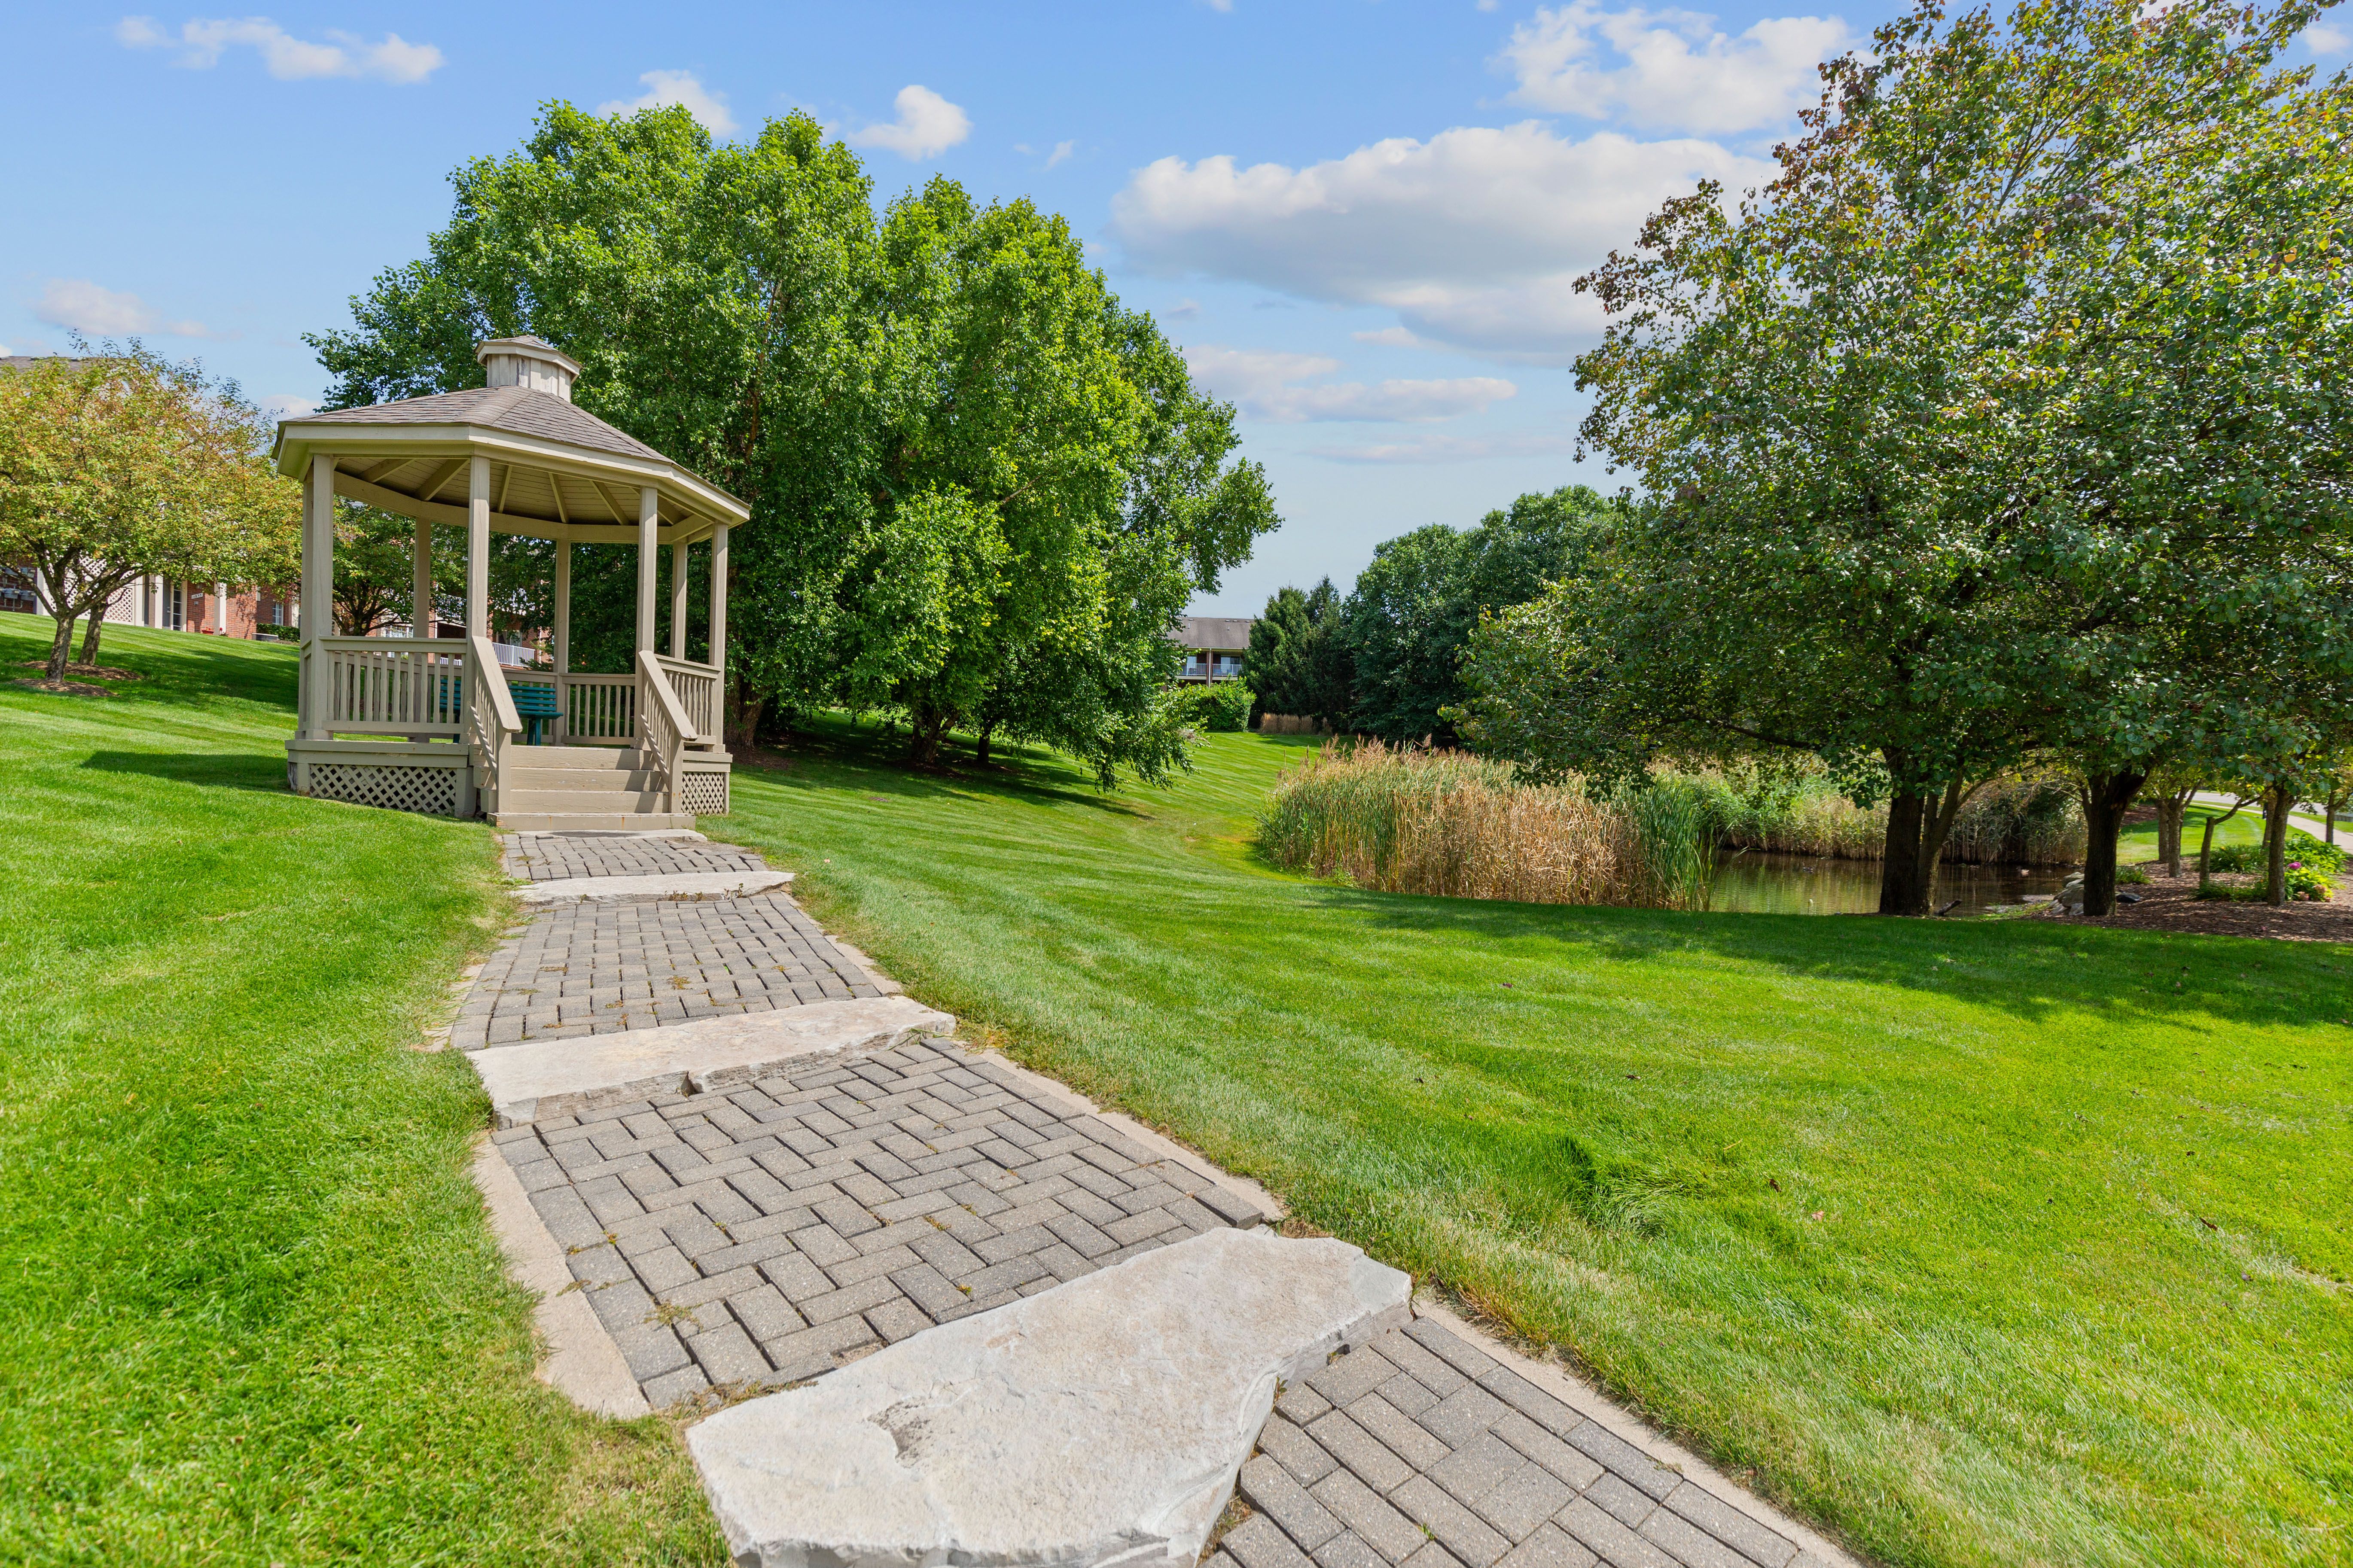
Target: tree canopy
{"x": 2010, "y": 418}
{"x": 119, "y": 463}
{"x": 981, "y": 488}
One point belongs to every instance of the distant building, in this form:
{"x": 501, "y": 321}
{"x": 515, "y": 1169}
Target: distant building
{"x": 1215, "y": 647}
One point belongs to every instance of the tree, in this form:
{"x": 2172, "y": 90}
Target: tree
{"x": 1952, "y": 447}
{"x": 2171, "y": 788}
{"x": 1299, "y": 659}
{"x": 1410, "y": 616}
{"x": 968, "y": 464}
{"x": 2206, "y": 841}
{"x": 117, "y": 465}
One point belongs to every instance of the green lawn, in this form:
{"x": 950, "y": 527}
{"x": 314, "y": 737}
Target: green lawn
{"x": 2138, "y": 843}
{"x": 1992, "y": 1242}
{"x": 2076, "y": 1292}
{"x": 249, "y": 1312}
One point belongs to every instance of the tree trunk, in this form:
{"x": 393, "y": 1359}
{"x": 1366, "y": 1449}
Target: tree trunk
{"x": 2172, "y": 811}
{"x": 2106, "y": 796}
{"x": 1918, "y": 827}
{"x": 2277, "y": 804}
{"x": 744, "y": 715}
{"x": 61, "y": 643}
{"x": 2334, "y": 800}
{"x": 980, "y": 746}
{"x": 926, "y": 728}
{"x": 91, "y": 634}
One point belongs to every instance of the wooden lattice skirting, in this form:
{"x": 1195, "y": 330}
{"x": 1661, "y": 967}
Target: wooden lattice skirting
{"x": 433, "y": 790}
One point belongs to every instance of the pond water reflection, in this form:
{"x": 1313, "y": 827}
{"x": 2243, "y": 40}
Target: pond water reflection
{"x": 1751, "y": 881}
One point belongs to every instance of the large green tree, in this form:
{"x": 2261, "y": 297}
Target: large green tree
{"x": 2009, "y": 419}
{"x": 1411, "y": 615}
{"x": 968, "y": 464}
{"x": 1299, "y": 661}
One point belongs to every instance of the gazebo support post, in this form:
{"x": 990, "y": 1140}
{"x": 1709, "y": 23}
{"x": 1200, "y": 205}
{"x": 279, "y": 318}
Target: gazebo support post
{"x": 420, "y": 584}
{"x": 649, "y": 537}
{"x": 677, "y": 601}
{"x": 318, "y": 607}
{"x": 477, "y": 549}
{"x": 719, "y": 604}
{"x": 563, "y": 725}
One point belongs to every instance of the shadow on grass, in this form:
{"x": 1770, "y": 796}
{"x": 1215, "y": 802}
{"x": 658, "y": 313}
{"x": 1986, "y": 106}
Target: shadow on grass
{"x": 876, "y": 763}
{"x": 206, "y": 769}
{"x": 2037, "y": 966}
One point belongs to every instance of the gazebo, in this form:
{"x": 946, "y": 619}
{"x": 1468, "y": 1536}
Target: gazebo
{"x": 421, "y": 723}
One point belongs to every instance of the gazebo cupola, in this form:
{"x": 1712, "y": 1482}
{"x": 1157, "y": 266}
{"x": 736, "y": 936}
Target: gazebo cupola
{"x": 437, "y": 724}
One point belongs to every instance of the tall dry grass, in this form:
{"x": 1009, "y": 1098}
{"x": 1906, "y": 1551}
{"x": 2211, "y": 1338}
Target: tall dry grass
{"x": 1402, "y": 820}
{"x": 2010, "y": 823}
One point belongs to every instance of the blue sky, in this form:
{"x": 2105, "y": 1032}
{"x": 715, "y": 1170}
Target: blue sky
{"x": 1361, "y": 221}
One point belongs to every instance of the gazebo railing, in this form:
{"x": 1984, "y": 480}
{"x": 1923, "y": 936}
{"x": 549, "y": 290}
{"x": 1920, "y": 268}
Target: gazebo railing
{"x": 392, "y": 685}
{"x": 491, "y": 719}
{"x": 601, "y": 709}
{"x": 662, "y": 722}
{"x": 696, "y": 686}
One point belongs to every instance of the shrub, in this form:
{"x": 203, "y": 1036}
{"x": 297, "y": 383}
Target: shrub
{"x": 2328, "y": 859}
{"x": 1222, "y": 706}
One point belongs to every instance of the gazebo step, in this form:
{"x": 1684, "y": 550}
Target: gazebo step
{"x": 537, "y": 821}
{"x": 518, "y": 795}
{"x": 579, "y": 781}
{"x": 572, "y": 758}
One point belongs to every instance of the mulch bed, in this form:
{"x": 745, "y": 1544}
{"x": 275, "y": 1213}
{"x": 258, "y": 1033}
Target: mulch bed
{"x": 2170, "y": 904}
{"x": 92, "y": 671}
{"x": 67, "y": 688}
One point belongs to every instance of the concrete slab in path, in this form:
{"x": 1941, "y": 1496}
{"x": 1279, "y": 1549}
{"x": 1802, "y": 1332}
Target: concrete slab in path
{"x": 1103, "y": 1420}
{"x": 570, "y": 1076}
{"x": 674, "y": 885}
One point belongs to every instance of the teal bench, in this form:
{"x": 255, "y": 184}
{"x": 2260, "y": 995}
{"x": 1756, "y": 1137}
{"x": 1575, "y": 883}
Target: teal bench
{"x": 534, "y": 703}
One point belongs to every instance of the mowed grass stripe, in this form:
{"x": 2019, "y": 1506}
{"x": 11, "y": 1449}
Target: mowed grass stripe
{"x": 2018, "y": 1333}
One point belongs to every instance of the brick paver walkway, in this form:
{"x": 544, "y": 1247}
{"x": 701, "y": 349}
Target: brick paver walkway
{"x": 767, "y": 1235}
{"x": 1419, "y": 1449}
{"x": 583, "y": 969}
{"x": 553, "y": 856}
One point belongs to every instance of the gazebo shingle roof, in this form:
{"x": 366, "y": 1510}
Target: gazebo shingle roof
{"x": 524, "y": 411}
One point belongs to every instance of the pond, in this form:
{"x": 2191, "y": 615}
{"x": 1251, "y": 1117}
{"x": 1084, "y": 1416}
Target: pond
{"x": 1750, "y": 881}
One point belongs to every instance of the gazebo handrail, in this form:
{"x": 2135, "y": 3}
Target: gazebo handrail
{"x": 667, "y": 730}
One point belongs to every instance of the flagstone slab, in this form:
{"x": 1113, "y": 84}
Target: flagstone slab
{"x": 672, "y": 885}
{"x": 572, "y": 1076}
{"x": 1102, "y": 1421}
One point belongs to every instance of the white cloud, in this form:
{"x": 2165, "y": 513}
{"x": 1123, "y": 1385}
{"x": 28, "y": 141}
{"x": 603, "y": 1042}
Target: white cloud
{"x": 286, "y": 406}
{"x": 1388, "y": 338}
{"x": 927, "y": 124}
{"x": 1062, "y": 150}
{"x": 1262, "y": 381}
{"x": 82, "y": 305}
{"x": 1678, "y": 69}
{"x": 201, "y": 43}
{"x": 1474, "y": 237}
{"x": 1449, "y": 448}
{"x": 683, "y": 89}
{"x": 1182, "y": 310}
{"x": 2327, "y": 38}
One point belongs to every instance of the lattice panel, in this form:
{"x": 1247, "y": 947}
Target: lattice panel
{"x": 433, "y": 790}
{"x": 703, "y": 792}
